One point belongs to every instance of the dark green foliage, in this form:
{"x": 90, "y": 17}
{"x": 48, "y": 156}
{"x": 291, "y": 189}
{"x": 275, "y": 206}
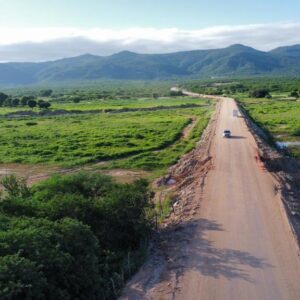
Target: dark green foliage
{"x": 15, "y": 186}
{"x": 43, "y": 104}
{"x": 294, "y": 94}
{"x": 15, "y": 102}
{"x": 7, "y": 102}
{"x": 260, "y": 93}
{"x": 65, "y": 252}
{"x": 46, "y": 93}
{"x": 31, "y": 123}
{"x": 76, "y": 99}
{"x": 69, "y": 237}
{"x": 32, "y": 103}
{"x": 21, "y": 278}
{"x": 3, "y": 97}
{"x": 24, "y": 100}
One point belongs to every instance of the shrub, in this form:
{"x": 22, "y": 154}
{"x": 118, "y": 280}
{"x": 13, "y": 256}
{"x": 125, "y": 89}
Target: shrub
{"x": 294, "y": 94}
{"x": 76, "y": 99}
{"x": 260, "y": 93}
{"x": 64, "y": 251}
{"x": 46, "y": 92}
{"x": 21, "y": 278}
{"x": 15, "y": 186}
{"x": 74, "y": 233}
{"x": 31, "y": 123}
{"x": 31, "y": 103}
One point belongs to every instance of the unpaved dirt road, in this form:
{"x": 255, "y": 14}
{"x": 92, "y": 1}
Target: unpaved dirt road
{"x": 239, "y": 245}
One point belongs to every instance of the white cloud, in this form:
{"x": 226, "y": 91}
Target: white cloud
{"x": 38, "y": 44}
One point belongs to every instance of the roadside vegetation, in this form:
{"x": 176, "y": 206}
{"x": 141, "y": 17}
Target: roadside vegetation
{"x": 73, "y": 237}
{"x": 272, "y": 103}
{"x": 279, "y": 117}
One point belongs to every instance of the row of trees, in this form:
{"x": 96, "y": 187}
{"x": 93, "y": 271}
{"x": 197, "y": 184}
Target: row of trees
{"x": 71, "y": 237}
{"x": 265, "y": 93}
{"x": 30, "y": 101}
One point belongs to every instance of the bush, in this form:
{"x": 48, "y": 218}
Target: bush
{"x": 76, "y": 99}
{"x": 20, "y": 278}
{"x": 3, "y": 97}
{"x": 65, "y": 251}
{"x": 43, "y": 104}
{"x": 46, "y": 93}
{"x": 74, "y": 233}
{"x": 260, "y": 93}
{"x": 31, "y": 103}
{"x": 294, "y": 94}
{"x": 15, "y": 186}
{"x": 31, "y": 123}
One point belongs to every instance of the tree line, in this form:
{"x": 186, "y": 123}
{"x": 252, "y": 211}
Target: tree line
{"x": 30, "y": 101}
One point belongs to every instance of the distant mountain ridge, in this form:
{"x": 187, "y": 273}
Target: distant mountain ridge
{"x": 233, "y": 61}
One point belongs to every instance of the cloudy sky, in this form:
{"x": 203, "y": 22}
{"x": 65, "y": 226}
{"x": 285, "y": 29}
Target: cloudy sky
{"x": 38, "y": 30}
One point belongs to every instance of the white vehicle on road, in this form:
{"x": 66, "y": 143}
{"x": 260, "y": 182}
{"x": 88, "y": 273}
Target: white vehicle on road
{"x": 227, "y": 133}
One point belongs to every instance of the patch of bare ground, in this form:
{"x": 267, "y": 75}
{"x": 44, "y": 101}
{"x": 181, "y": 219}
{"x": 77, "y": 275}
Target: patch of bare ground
{"x": 126, "y": 176}
{"x": 36, "y": 173}
{"x": 286, "y": 171}
{"x": 188, "y": 129}
{"x": 185, "y": 180}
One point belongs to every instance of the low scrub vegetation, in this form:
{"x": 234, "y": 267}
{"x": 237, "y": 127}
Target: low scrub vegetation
{"x": 73, "y": 237}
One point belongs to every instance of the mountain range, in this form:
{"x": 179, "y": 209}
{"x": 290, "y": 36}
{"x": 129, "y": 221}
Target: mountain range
{"x": 233, "y": 61}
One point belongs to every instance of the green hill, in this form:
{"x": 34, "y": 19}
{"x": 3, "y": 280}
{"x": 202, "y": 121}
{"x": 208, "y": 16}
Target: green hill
{"x": 236, "y": 60}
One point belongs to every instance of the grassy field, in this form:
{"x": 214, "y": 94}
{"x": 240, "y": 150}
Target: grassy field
{"x": 111, "y": 104}
{"x": 69, "y": 140}
{"x": 126, "y": 103}
{"x": 280, "y": 116}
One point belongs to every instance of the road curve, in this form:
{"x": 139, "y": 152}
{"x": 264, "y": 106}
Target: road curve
{"x": 242, "y": 246}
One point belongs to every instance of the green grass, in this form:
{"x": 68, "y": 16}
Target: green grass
{"x": 69, "y": 140}
{"x": 159, "y": 160}
{"x": 127, "y": 103}
{"x": 278, "y": 116}
{"x": 109, "y": 104}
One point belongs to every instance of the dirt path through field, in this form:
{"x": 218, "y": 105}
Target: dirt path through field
{"x": 36, "y": 173}
{"x": 237, "y": 243}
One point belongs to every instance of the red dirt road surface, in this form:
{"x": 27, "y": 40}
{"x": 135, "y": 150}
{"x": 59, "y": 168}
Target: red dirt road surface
{"x": 239, "y": 245}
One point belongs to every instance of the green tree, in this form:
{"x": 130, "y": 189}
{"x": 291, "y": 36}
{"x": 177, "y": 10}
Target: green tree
{"x": 66, "y": 252}
{"x": 15, "y": 102}
{"x": 260, "y": 93}
{"x": 46, "y": 93}
{"x": 44, "y": 104}
{"x": 294, "y": 94}
{"x": 21, "y": 278}
{"x": 24, "y": 100}
{"x": 32, "y": 103}
{"x": 7, "y": 102}
{"x": 75, "y": 233}
{"x": 3, "y": 97}
{"x": 15, "y": 186}
{"x": 76, "y": 99}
